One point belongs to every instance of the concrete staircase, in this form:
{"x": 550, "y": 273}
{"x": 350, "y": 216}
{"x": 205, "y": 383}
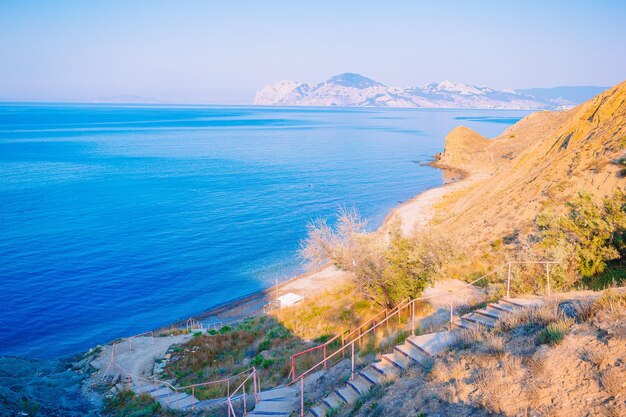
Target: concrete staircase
{"x": 276, "y": 402}
{"x": 164, "y": 395}
{"x": 488, "y": 316}
{"x": 181, "y": 401}
{"x": 416, "y": 350}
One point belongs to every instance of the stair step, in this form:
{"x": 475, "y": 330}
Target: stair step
{"x": 183, "y": 402}
{"x": 319, "y": 410}
{"x": 397, "y": 360}
{"x": 333, "y": 401}
{"x": 490, "y": 312}
{"x": 433, "y": 343}
{"x": 411, "y": 352}
{"x": 274, "y": 407}
{"x": 278, "y": 392}
{"x": 522, "y": 302}
{"x": 479, "y": 319}
{"x": 384, "y": 368}
{"x": 160, "y": 392}
{"x": 143, "y": 388}
{"x": 504, "y": 307}
{"x": 460, "y": 324}
{"x": 347, "y": 394}
{"x": 371, "y": 375}
{"x": 360, "y": 384}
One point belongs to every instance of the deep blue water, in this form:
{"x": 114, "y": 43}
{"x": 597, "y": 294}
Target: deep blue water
{"x": 117, "y": 219}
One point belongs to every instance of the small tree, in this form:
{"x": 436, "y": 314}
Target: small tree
{"x": 388, "y": 270}
{"x": 592, "y": 234}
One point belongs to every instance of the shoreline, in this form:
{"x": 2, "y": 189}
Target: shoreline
{"x": 415, "y": 212}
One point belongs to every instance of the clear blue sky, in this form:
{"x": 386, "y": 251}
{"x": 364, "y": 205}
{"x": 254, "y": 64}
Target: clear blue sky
{"x": 222, "y": 51}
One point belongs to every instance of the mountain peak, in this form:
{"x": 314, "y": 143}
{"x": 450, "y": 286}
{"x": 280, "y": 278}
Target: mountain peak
{"x": 354, "y": 90}
{"x": 349, "y": 79}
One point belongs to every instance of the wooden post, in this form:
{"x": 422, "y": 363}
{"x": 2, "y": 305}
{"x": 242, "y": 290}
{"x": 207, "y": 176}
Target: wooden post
{"x": 245, "y": 407}
{"x": 193, "y": 398}
{"x": 324, "y": 355}
{"x": 508, "y": 283}
{"x": 548, "y": 276}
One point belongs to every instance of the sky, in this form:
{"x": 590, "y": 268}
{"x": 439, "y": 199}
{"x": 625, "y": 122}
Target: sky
{"x": 223, "y": 51}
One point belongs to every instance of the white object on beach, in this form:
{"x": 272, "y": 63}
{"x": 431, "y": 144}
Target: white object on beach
{"x": 289, "y": 299}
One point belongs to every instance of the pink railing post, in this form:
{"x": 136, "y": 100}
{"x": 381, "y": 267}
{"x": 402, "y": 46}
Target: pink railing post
{"x": 324, "y": 356}
{"x": 342, "y": 345}
{"x": 254, "y": 385}
{"x": 245, "y": 407}
{"x": 230, "y": 406}
{"x": 293, "y": 368}
{"x": 352, "y": 375}
{"x": 412, "y": 317}
{"x": 548, "y": 276}
{"x": 301, "y": 397}
{"x": 386, "y": 322}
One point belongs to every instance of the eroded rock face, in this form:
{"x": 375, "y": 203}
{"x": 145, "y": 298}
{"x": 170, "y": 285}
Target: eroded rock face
{"x": 50, "y": 388}
{"x": 544, "y": 159}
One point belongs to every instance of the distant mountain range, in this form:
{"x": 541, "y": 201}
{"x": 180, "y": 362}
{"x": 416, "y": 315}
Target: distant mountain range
{"x": 354, "y": 90}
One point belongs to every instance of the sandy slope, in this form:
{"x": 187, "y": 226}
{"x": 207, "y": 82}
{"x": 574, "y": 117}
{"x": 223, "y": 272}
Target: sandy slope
{"x": 541, "y": 161}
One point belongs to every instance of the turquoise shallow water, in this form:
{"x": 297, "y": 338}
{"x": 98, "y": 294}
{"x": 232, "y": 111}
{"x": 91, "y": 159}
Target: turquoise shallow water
{"x": 118, "y": 219}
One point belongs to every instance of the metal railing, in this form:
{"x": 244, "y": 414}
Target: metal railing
{"x": 256, "y": 387}
{"x": 174, "y": 392}
{"x": 347, "y": 336}
{"x": 396, "y": 311}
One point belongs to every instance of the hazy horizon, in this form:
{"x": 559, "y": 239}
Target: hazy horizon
{"x": 214, "y": 53}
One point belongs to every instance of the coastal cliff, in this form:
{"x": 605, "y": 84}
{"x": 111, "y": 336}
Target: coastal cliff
{"x": 541, "y": 161}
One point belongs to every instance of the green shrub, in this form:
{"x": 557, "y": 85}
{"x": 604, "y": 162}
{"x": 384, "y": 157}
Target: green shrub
{"x": 265, "y": 345}
{"x": 196, "y": 334}
{"x": 127, "y": 403}
{"x": 387, "y": 271}
{"x": 590, "y": 234}
{"x": 554, "y": 333}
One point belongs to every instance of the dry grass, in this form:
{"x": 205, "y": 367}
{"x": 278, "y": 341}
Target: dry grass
{"x": 472, "y": 336}
{"x": 612, "y": 304}
{"x": 493, "y": 390}
{"x": 443, "y": 372}
{"x": 540, "y": 316}
{"x": 493, "y": 344}
{"x": 597, "y": 354}
{"x": 328, "y": 313}
{"x": 512, "y": 366}
{"x": 613, "y": 381}
{"x": 585, "y": 310}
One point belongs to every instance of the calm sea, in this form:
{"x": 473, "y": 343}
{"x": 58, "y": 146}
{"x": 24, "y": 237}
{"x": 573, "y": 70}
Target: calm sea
{"x": 117, "y": 219}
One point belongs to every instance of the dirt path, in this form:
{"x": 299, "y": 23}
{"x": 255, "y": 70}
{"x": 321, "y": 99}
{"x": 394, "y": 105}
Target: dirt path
{"x": 139, "y": 360}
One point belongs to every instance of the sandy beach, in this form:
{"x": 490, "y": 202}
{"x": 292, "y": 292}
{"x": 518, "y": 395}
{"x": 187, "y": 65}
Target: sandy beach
{"x": 414, "y": 214}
